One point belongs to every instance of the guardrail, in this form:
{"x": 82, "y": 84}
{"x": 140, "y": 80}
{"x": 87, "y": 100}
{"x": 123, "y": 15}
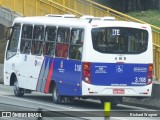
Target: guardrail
{"x": 79, "y": 8}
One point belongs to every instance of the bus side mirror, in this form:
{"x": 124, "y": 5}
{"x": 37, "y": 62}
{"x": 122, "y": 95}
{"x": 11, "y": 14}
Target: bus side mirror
{"x": 8, "y": 32}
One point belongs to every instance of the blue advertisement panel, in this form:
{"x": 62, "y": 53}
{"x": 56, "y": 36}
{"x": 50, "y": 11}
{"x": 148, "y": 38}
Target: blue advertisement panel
{"x": 113, "y": 74}
{"x": 67, "y": 74}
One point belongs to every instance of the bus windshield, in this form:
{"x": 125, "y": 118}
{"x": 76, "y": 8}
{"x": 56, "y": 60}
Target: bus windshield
{"x": 119, "y": 40}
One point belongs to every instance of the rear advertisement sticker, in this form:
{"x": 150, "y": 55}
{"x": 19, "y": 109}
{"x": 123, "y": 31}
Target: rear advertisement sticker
{"x": 140, "y": 69}
{"x": 101, "y": 69}
{"x": 119, "y": 74}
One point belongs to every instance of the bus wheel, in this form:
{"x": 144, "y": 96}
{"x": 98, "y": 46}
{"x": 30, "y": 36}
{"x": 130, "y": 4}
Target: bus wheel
{"x": 55, "y": 96}
{"x": 67, "y": 99}
{"x": 19, "y": 92}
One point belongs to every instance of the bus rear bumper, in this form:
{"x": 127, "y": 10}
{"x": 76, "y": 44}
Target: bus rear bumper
{"x": 137, "y": 91}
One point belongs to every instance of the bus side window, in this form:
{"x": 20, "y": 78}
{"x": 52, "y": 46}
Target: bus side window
{"x": 62, "y": 42}
{"x": 13, "y": 42}
{"x": 63, "y": 35}
{"x": 26, "y": 37}
{"x": 76, "y": 42}
{"x": 49, "y": 44}
{"x": 37, "y": 42}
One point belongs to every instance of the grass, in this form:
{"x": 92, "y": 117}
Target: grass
{"x": 150, "y": 16}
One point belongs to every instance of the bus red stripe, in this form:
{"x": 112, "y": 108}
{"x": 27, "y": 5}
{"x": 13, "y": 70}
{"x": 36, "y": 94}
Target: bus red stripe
{"x": 49, "y": 78}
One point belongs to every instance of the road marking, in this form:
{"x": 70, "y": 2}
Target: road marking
{"x": 118, "y": 118}
{"x": 38, "y": 103}
{"x": 44, "y": 104}
{"x": 60, "y": 107}
{"x": 4, "y": 93}
{"x": 135, "y": 107}
{"x": 49, "y": 105}
{"x": 100, "y": 118}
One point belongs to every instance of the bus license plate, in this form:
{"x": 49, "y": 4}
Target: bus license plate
{"x": 118, "y": 91}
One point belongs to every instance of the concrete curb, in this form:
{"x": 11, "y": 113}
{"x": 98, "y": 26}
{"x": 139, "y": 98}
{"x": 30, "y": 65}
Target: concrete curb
{"x": 141, "y": 105}
{"x": 150, "y": 102}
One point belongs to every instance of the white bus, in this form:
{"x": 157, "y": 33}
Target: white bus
{"x": 85, "y": 57}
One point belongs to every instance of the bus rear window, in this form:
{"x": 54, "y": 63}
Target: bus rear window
{"x": 119, "y": 40}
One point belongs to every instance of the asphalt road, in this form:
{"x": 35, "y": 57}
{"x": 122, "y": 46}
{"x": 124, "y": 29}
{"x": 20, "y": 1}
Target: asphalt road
{"x": 82, "y": 109}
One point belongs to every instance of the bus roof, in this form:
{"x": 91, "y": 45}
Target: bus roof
{"x": 60, "y": 20}
{"x": 50, "y": 21}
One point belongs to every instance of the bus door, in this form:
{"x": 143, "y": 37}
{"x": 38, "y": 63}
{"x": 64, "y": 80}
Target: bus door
{"x": 31, "y": 51}
{"x": 12, "y": 59}
{"x": 25, "y": 48}
{"x": 36, "y": 57}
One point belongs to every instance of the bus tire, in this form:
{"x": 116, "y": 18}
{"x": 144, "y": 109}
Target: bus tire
{"x": 19, "y": 92}
{"x": 55, "y": 96}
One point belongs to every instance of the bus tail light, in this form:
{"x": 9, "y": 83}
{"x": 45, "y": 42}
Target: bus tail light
{"x": 86, "y": 72}
{"x": 150, "y": 72}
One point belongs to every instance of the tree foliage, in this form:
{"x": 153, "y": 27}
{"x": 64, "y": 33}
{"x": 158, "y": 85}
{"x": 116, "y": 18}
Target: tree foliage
{"x": 131, "y": 5}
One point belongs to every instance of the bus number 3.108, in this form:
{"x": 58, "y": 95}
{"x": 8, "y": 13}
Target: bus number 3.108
{"x": 140, "y": 79}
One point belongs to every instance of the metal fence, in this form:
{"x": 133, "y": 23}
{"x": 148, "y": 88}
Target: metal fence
{"x": 79, "y": 8}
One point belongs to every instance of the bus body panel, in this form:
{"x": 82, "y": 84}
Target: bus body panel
{"x": 131, "y": 91}
{"x": 117, "y": 74}
{"x": 68, "y": 84}
{"x": 118, "y": 80}
{"x": 59, "y": 69}
{"x": 33, "y": 63}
